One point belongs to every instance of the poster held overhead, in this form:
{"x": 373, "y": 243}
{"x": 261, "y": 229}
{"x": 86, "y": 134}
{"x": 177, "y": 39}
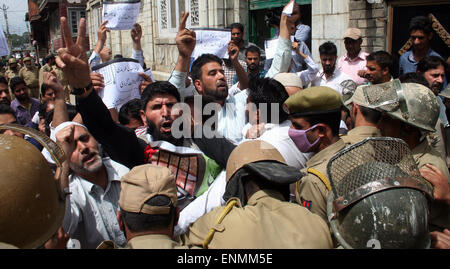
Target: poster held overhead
{"x": 121, "y": 15}
{"x": 213, "y": 41}
{"x": 121, "y": 81}
{"x": 4, "y": 49}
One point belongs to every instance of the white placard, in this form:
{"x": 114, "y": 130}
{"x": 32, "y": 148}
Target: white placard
{"x": 4, "y": 49}
{"x": 121, "y": 80}
{"x": 213, "y": 42}
{"x": 289, "y": 9}
{"x": 120, "y": 16}
{"x": 271, "y": 46}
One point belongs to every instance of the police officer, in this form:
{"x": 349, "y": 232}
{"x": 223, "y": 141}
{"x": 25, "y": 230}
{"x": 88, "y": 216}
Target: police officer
{"x": 256, "y": 214}
{"x": 364, "y": 117}
{"x": 30, "y": 74}
{"x": 412, "y": 113}
{"x": 366, "y": 178}
{"x": 13, "y": 70}
{"x": 315, "y": 114}
{"x": 32, "y": 204}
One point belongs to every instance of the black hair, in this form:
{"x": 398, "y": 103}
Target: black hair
{"x": 118, "y": 56}
{"x": 15, "y": 81}
{"x": 71, "y": 112}
{"x": 332, "y": 119}
{"x": 140, "y": 222}
{"x": 414, "y": 77}
{"x": 253, "y": 49}
{"x": 430, "y": 62}
{"x": 420, "y": 23}
{"x": 383, "y": 59}
{"x": 3, "y": 80}
{"x": 196, "y": 69}
{"x": 237, "y": 25}
{"x": 44, "y": 88}
{"x": 158, "y": 87}
{"x": 268, "y": 91}
{"x": 370, "y": 115}
{"x": 6, "y": 109}
{"x": 130, "y": 110}
{"x": 49, "y": 57}
{"x": 328, "y": 48}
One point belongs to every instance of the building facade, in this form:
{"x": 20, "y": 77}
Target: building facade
{"x": 384, "y": 24}
{"x": 44, "y": 17}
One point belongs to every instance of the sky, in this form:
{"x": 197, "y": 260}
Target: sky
{"x": 16, "y": 16}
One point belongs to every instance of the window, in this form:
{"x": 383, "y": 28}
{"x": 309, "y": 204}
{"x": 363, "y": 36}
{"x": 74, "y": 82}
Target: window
{"x": 96, "y": 20}
{"x": 75, "y": 15}
{"x": 169, "y": 12}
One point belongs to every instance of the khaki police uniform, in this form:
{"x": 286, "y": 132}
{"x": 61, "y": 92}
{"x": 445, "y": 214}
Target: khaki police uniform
{"x": 10, "y": 73}
{"x": 63, "y": 80}
{"x": 440, "y": 213}
{"x": 312, "y": 191}
{"x": 360, "y": 133}
{"x": 266, "y": 222}
{"x": 31, "y": 78}
{"x": 45, "y": 68}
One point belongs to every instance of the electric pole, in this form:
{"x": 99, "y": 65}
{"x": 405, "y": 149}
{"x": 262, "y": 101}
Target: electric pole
{"x": 8, "y": 36}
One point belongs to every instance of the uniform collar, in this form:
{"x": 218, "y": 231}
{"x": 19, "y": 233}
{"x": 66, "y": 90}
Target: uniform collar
{"x": 263, "y": 194}
{"x": 142, "y": 241}
{"x": 369, "y": 131}
{"x": 324, "y": 155}
{"x": 420, "y": 150}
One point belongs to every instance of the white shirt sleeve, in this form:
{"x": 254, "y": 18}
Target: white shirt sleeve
{"x": 94, "y": 59}
{"x": 203, "y": 204}
{"x": 309, "y": 74}
{"x": 138, "y": 55}
{"x": 282, "y": 59}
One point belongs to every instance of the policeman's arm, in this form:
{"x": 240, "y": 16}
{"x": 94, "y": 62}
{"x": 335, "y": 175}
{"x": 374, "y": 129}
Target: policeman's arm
{"x": 435, "y": 176}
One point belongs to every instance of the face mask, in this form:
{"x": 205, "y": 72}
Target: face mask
{"x": 300, "y": 139}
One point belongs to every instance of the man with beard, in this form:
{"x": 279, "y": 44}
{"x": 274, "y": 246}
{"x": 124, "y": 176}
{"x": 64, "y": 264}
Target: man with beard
{"x": 329, "y": 76}
{"x": 30, "y": 75}
{"x": 23, "y": 105}
{"x": 209, "y": 79}
{"x": 433, "y": 69}
{"x": 379, "y": 66}
{"x": 5, "y": 98}
{"x": 253, "y": 59}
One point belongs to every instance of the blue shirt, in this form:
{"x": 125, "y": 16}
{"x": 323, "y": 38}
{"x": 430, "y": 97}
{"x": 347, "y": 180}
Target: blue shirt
{"x": 408, "y": 64}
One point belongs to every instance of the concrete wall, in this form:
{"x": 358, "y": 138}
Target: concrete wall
{"x": 160, "y": 49}
{"x": 329, "y": 21}
{"x": 372, "y": 20}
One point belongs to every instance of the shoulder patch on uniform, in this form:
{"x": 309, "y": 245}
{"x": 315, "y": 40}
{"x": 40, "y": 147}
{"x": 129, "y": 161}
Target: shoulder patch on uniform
{"x": 306, "y": 203}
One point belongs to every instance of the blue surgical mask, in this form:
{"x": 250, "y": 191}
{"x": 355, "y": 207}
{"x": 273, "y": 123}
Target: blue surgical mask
{"x": 300, "y": 139}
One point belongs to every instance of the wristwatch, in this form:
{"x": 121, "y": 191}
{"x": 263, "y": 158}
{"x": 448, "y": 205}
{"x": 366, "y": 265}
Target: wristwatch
{"x": 80, "y": 91}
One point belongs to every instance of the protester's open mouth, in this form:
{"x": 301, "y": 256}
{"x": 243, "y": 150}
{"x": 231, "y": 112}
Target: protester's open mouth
{"x": 166, "y": 126}
{"x": 222, "y": 86}
{"x": 90, "y": 157}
